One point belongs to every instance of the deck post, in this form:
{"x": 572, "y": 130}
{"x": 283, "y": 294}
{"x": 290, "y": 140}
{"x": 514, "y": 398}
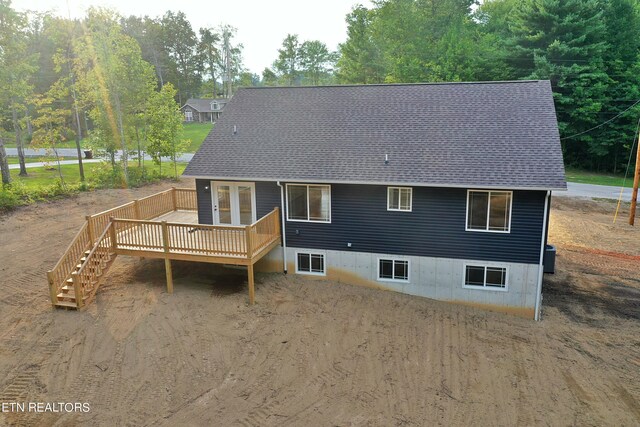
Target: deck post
{"x": 276, "y": 221}
{"x": 90, "y": 230}
{"x": 248, "y": 241}
{"x": 112, "y": 234}
{"x": 136, "y": 209}
{"x": 174, "y": 197}
{"x": 167, "y": 260}
{"x": 77, "y": 289}
{"x": 252, "y": 292}
{"x": 167, "y": 267}
{"x": 52, "y": 288}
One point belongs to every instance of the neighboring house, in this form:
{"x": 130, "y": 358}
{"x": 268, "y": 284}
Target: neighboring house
{"x": 436, "y": 190}
{"x": 203, "y": 110}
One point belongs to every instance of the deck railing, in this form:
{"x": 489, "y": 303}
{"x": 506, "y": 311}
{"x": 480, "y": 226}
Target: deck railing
{"x": 196, "y": 239}
{"x": 146, "y": 208}
{"x": 262, "y": 232}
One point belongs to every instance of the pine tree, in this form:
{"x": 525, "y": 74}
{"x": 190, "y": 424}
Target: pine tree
{"x": 563, "y": 41}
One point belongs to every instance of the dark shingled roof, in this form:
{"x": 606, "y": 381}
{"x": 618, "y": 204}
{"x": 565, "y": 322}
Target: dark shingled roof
{"x": 483, "y": 135}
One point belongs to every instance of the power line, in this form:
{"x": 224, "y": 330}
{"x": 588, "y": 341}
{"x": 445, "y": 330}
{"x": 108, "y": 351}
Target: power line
{"x": 603, "y": 123}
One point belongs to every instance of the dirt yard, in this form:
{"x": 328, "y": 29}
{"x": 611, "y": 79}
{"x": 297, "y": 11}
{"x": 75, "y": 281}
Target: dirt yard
{"x": 313, "y": 352}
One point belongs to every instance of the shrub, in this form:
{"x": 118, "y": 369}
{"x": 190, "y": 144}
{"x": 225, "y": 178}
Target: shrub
{"x": 8, "y": 200}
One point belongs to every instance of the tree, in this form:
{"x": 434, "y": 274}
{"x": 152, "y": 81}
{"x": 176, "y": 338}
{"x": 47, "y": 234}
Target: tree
{"x": 316, "y": 61}
{"x": 247, "y": 79}
{"x": 209, "y": 51}
{"x": 230, "y": 59}
{"x": 288, "y": 63}
{"x": 16, "y": 68}
{"x": 115, "y": 80}
{"x": 4, "y": 164}
{"x": 164, "y": 124}
{"x": 51, "y": 120}
{"x": 612, "y": 143}
{"x": 563, "y": 41}
{"x": 360, "y": 58}
{"x": 180, "y": 41}
{"x": 269, "y": 78}
{"x": 62, "y": 33}
{"x": 148, "y": 33}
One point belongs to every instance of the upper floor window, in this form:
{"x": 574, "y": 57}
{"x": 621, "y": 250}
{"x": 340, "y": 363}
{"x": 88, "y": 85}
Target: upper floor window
{"x": 489, "y": 211}
{"x": 214, "y": 105}
{"x": 399, "y": 199}
{"x": 309, "y": 202}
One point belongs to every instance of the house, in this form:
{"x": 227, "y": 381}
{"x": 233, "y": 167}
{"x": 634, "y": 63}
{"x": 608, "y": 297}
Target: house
{"x": 203, "y": 110}
{"x": 436, "y": 190}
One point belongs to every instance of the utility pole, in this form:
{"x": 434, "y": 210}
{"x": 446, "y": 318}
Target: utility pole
{"x": 636, "y": 181}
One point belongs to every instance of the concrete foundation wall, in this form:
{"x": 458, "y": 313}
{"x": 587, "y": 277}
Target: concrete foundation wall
{"x": 435, "y": 278}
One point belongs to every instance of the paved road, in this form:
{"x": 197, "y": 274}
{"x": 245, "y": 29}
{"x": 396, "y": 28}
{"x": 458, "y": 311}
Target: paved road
{"x": 590, "y": 191}
{"x": 71, "y": 152}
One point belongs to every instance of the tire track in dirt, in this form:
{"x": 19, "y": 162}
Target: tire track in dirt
{"x": 25, "y": 384}
{"x": 291, "y": 398}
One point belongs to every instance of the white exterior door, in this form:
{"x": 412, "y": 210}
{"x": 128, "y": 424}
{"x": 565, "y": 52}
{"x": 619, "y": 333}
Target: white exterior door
{"x": 234, "y": 203}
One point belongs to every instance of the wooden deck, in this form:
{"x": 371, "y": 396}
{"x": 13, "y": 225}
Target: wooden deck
{"x": 165, "y": 226}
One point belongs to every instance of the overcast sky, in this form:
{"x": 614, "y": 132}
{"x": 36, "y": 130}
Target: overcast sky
{"x": 261, "y": 24}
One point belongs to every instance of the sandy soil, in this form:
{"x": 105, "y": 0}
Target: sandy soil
{"x": 314, "y": 352}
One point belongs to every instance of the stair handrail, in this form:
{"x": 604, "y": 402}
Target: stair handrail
{"x": 88, "y": 258}
{"x": 69, "y": 258}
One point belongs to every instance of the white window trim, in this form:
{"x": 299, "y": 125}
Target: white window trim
{"x": 188, "y": 115}
{"x": 394, "y": 259}
{"x": 389, "y": 189}
{"x": 466, "y": 218}
{"x": 485, "y": 287}
{"x": 308, "y": 220}
{"x": 312, "y": 273}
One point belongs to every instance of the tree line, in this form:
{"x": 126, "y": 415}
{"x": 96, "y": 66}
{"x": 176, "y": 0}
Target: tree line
{"x": 110, "y": 75}
{"x": 83, "y": 80}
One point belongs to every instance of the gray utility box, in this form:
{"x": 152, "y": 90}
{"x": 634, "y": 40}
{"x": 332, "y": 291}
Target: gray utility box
{"x": 549, "y": 260}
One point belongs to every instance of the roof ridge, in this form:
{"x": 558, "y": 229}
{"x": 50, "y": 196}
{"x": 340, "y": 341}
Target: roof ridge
{"x": 485, "y": 82}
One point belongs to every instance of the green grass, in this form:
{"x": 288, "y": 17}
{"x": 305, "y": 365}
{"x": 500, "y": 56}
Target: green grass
{"x": 584, "y": 177}
{"x": 195, "y": 132}
{"x": 38, "y": 177}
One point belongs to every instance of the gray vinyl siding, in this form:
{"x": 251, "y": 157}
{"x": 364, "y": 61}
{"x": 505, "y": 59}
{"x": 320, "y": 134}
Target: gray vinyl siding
{"x": 205, "y": 207}
{"x": 434, "y": 228}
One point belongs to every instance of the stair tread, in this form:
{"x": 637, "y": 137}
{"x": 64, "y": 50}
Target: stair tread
{"x": 66, "y": 304}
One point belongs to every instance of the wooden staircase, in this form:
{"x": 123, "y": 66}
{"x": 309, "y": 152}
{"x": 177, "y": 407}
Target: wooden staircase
{"x": 81, "y": 284}
{"x": 74, "y": 280}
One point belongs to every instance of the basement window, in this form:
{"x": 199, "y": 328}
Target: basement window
{"x": 393, "y": 270}
{"x": 310, "y": 263}
{"x": 487, "y": 277}
{"x": 399, "y": 199}
{"x": 489, "y": 211}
